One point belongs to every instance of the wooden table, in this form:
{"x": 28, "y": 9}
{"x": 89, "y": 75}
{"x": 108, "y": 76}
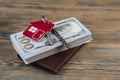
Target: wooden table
{"x": 98, "y": 60}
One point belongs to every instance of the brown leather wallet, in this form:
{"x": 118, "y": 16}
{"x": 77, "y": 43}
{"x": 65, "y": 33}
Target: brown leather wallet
{"x": 55, "y": 62}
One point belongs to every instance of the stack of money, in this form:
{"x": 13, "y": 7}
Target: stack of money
{"x": 71, "y": 30}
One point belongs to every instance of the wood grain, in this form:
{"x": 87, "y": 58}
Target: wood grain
{"x": 98, "y": 60}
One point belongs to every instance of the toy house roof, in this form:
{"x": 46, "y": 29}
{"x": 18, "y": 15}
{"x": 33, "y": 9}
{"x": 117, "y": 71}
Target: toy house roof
{"x": 43, "y": 25}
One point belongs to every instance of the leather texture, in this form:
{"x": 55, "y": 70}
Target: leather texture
{"x": 55, "y": 62}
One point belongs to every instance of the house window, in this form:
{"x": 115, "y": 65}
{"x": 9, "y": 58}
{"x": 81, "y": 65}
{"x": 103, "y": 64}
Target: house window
{"x": 33, "y": 29}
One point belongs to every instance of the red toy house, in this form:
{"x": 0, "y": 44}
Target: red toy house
{"x": 38, "y": 29}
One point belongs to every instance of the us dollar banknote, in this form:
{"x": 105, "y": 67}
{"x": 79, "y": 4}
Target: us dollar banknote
{"x": 70, "y": 29}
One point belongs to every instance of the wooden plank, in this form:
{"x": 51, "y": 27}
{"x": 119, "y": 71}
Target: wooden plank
{"x": 99, "y": 59}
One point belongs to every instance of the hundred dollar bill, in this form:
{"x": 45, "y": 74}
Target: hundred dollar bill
{"x": 74, "y": 33}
